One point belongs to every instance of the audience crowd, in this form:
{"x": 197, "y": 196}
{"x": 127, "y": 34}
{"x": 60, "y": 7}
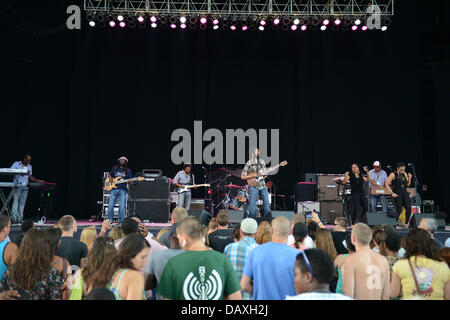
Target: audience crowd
{"x": 279, "y": 259}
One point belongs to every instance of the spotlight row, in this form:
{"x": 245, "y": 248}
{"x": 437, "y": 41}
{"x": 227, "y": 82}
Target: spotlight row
{"x": 182, "y": 22}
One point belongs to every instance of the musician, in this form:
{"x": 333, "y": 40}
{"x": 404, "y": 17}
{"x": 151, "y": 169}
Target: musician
{"x": 21, "y": 192}
{"x": 121, "y": 192}
{"x": 377, "y": 179}
{"x": 400, "y": 181}
{"x": 359, "y": 199}
{"x": 182, "y": 178}
{"x": 251, "y": 169}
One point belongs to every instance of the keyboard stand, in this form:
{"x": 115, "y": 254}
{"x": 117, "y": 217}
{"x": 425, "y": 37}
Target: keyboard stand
{"x": 6, "y": 201}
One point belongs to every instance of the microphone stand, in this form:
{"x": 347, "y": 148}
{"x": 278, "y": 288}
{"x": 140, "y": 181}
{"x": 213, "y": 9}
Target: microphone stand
{"x": 416, "y": 181}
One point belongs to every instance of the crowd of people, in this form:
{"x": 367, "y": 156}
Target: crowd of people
{"x": 281, "y": 259}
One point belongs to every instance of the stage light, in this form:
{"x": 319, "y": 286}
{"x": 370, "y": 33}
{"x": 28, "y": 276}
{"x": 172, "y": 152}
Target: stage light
{"x": 215, "y": 27}
{"x": 173, "y": 26}
{"x": 326, "y": 22}
{"x": 215, "y": 21}
{"x": 303, "y": 28}
{"x": 233, "y": 28}
{"x": 122, "y": 24}
{"x": 92, "y": 23}
{"x": 153, "y": 25}
{"x": 261, "y": 28}
{"x": 384, "y": 28}
{"x": 112, "y": 24}
{"x": 354, "y": 28}
{"x": 364, "y": 28}
{"x": 337, "y": 21}
{"x": 203, "y": 20}
{"x": 153, "y": 19}
{"x": 323, "y": 28}
{"x": 296, "y": 21}
{"x": 183, "y": 20}
{"x": 294, "y": 27}
{"x": 262, "y": 22}
{"x": 276, "y": 21}
{"x": 244, "y": 28}
{"x": 140, "y": 19}
{"x": 357, "y": 22}
{"x": 203, "y": 26}
{"x": 182, "y": 26}
{"x": 119, "y": 18}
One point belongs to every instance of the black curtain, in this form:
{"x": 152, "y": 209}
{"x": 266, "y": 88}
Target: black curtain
{"x": 77, "y": 100}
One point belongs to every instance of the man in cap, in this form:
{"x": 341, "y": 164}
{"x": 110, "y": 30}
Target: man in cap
{"x": 121, "y": 192}
{"x": 238, "y": 252}
{"x": 377, "y": 179}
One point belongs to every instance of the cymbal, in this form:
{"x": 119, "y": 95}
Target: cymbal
{"x": 232, "y": 186}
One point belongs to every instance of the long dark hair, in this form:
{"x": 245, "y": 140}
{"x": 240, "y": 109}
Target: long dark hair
{"x": 34, "y": 260}
{"x": 419, "y": 243}
{"x": 53, "y": 236}
{"x": 128, "y": 249}
{"x": 102, "y": 250}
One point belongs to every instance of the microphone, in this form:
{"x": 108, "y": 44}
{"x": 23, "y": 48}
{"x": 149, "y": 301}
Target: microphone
{"x": 410, "y": 164}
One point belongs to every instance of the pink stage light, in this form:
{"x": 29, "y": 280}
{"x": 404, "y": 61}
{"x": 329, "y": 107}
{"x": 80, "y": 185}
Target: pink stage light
{"x": 276, "y": 21}
{"x": 140, "y": 19}
{"x": 154, "y": 25}
{"x": 216, "y": 27}
{"x": 183, "y": 19}
{"x": 122, "y": 24}
{"x": 173, "y": 26}
{"x": 323, "y": 28}
{"x": 303, "y": 28}
{"x": 182, "y": 26}
{"x": 153, "y": 19}
{"x": 337, "y": 22}
{"x": 326, "y": 22}
{"x": 262, "y": 22}
{"x": 233, "y": 28}
{"x": 112, "y": 24}
{"x": 354, "y": 28}
{"x": 364, "y": 28}
{"x": 294, "y": 27}
{"x": 261, "y": 28}
{"x": 244, "y": 28}
{"x": 215, "y": 21}
{"x": 203, "y": 20}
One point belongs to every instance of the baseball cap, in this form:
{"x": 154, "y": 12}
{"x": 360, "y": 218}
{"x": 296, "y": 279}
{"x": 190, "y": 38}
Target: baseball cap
{"x": 249, "y": 226}
{"x": 376, "y": 164}
{"x": 123, "y": 158}
{"x": 300, "y": 229}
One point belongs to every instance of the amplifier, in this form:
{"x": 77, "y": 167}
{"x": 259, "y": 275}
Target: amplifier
{"x": 197, "y": 204}
{"x": 327, "y": 188}
{"x": 155, "y": 211}
{"x": 330, "y": 210}
{"x": 305, "y": 191}
{"x": 151, "y": 189}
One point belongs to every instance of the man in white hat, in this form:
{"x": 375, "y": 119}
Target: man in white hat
{"x": 377, "y": 180}
{"x": 238, "y": 252}
{"x": 121, "y": 192}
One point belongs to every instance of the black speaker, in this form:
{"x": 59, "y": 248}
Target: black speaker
{"x": 330, "y": 210}
{"x": 236, "y": 216}
{"x": 150, "y": 189}
{"x": 380, "y": 218}
{"x": 203, "y": 215}
{"x": 420, "y": 216}
{"x": 305, "y": 191}
{"x": 155, "y": 211}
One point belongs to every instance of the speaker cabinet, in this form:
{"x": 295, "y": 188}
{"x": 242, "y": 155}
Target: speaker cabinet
{"x": 305, "y": 191}
{"x": 380, "y": 218}
{"x": 155, "y": 211}
{"x": 150, "y": 189}
{"x": 327, "y": 188}
{"x": 330, "y": 210}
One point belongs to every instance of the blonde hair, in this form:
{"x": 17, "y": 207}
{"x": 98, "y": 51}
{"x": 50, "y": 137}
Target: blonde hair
{"x": 88, "y": 236}
{"x": 116, "y": 233}
{"x": 362, "y": 233}
{"x": 66, "y": 222}
{"x": 281, "y": 226}
{"x": 324, "y": 241}
{"x": 263, "y": 233}
{"x": 179, "y": 213}
{"x": 161, "y": 232}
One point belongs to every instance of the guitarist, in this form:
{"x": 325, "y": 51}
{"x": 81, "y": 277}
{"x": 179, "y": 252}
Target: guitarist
{"x": 121, "y": 192}
{"x": 182, "y": 178}
{"x": 251, "y": 171}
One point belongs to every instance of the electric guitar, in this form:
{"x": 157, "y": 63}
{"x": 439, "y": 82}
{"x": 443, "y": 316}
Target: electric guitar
{"x": 253, "y": 182}
{"x": 186, "y": 188}
{"x": 109, "y": 185}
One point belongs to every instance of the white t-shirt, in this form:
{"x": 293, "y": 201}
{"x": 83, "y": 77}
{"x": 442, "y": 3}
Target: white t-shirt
{"x": 309, "y": 242}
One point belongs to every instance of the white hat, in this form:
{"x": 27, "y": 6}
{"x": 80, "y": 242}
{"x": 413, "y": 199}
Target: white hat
{"x": 249, "y": 226}
{"x": 123, "y": 158}
{"x": 376, "y": 164}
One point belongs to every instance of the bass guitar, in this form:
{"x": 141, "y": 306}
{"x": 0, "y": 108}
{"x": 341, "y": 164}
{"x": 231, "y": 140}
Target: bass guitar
{"x": 186, "y": 188}
{"x": 109, "y": 185}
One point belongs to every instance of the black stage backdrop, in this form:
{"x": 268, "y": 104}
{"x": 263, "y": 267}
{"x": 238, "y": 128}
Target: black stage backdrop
{"x": 77, "y": 100}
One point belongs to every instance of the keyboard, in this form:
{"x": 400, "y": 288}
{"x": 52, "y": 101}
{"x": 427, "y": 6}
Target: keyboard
{"x": 9, "y": 171}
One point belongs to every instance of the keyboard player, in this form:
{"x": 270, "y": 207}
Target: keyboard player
{"x": 21, "y": 191}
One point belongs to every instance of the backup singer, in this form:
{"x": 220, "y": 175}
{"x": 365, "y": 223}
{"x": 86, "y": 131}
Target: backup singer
{"x": 377, "y": 179}
{"x": 183, "y": 178}
{"x": 251, "y": 171}
{"x": 400, "y": 180}
{"x": 121, "y": 192}
{"x": 359, "y": 199}
{"x": 21, "y": 192}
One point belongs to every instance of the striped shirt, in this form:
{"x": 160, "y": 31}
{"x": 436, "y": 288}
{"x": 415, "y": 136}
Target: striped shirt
{"x": 238, "y": 253}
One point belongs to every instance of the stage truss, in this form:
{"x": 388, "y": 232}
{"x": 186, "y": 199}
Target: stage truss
{"x": 241, "y": 9}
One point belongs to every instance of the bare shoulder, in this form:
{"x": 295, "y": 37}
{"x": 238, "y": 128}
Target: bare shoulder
{"x": 133, "y": 275}
{"x": 339, "y": 261}
{"x": 11, "y": 247}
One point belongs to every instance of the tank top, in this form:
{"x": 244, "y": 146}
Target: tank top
{"x": 116, "y": 290}
{"x": 357, "y": 184}
{"x": 339, "y": 283}
{"x": 3, "y": 266}
{"x": 399, "y": 183}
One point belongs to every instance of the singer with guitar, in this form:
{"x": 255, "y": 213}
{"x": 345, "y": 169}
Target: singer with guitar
{"x": 184, "y": 178}
{"x": 121, "y": 191}
{"x": 400, "y": 180}
{"x": 254, "y": 173}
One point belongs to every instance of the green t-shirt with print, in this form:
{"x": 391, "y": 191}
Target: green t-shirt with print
{"x": 198, "y": 275}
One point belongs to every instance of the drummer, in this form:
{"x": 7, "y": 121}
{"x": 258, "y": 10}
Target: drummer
{"x": 377, "y": 179}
